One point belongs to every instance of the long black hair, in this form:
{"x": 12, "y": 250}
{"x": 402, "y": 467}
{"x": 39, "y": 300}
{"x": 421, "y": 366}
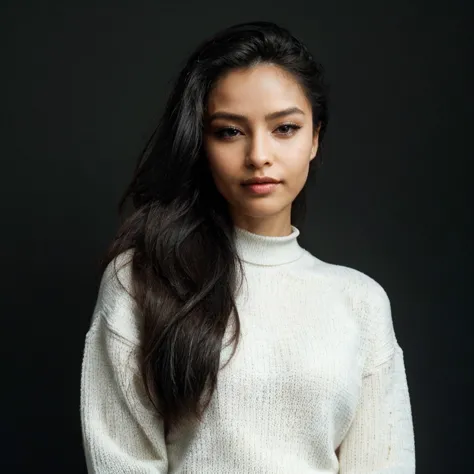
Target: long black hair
{"x": 184, "y": 265}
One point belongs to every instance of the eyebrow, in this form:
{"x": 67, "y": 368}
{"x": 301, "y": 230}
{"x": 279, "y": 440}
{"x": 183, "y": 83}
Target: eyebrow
{"x": 243, "y": 118}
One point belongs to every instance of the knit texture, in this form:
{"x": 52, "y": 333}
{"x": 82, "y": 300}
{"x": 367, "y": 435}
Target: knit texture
{"x": 317, "y": 384}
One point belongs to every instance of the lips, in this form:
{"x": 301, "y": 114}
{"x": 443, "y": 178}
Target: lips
{"x": 262, "y": 188}
{"x": 260, "y": 181}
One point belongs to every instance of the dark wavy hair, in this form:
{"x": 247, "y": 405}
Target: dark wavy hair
{"x": 184, "y": 266}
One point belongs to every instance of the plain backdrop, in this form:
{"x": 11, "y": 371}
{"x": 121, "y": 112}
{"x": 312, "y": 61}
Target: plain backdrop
{"x": 82, "y": 87}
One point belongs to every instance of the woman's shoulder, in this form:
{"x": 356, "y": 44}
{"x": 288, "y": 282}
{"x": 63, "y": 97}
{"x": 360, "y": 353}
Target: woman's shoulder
{"x": 348, "y": 279}
{"x": 365, "y": 298}
{"x": 115, "y": 303}
{"x": 117, "y": 276}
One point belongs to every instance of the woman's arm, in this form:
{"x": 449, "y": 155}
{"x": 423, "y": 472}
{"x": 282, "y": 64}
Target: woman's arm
{"x": 121, "y": 433}
{"x": 380, "y": 439}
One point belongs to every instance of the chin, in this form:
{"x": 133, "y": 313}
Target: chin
{"x": 262, "y": 211}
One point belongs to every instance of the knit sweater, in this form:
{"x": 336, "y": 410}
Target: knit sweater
{"x": 317, "y": 384}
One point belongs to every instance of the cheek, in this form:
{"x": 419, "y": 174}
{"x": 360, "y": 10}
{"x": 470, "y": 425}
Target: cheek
{"x": 223, "y": 158}
{"x": 222, "y": 165}
{"x": 298, "y": 160}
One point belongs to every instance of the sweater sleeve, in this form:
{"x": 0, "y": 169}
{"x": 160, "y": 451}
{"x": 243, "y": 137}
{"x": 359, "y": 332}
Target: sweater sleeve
{"x": 121, "y": 433}
{"x": 380, "y": 439}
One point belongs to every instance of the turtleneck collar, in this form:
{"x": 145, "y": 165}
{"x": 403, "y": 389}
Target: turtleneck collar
{"x": 265, "y": 250}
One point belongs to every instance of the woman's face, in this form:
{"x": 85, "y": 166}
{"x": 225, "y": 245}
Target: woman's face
{"x": 246, "y": 136}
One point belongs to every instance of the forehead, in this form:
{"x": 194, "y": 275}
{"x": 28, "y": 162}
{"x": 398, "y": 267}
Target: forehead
{"x": 256, "y": 91}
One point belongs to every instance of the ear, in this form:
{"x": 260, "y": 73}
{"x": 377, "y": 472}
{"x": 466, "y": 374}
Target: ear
{"x": 315, "y": 145}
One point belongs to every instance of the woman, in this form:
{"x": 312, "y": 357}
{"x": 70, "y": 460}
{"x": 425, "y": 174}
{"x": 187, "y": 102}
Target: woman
{"x": 218, "y": 344}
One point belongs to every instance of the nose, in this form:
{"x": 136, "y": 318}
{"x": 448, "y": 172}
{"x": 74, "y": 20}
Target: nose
{"x": 258, "y": 150}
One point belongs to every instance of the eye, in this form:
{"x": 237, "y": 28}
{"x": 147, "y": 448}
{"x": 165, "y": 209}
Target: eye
{"x": 288, "y": 128}
{"x": 226, "y": 133}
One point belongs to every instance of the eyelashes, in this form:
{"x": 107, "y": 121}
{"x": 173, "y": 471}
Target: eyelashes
{"x": 289, "y": 129}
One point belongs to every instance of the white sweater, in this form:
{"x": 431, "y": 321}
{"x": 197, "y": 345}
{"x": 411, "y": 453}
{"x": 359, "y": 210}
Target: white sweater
{"x": 318, "y": 367}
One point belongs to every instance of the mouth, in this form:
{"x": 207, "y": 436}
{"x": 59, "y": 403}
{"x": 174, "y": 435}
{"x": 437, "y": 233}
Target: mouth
{"x": 261, "y": 180}
{"x": 262, "y": 188}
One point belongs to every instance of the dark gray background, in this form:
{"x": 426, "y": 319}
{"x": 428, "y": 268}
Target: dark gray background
{"x": 83, "y": 85}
